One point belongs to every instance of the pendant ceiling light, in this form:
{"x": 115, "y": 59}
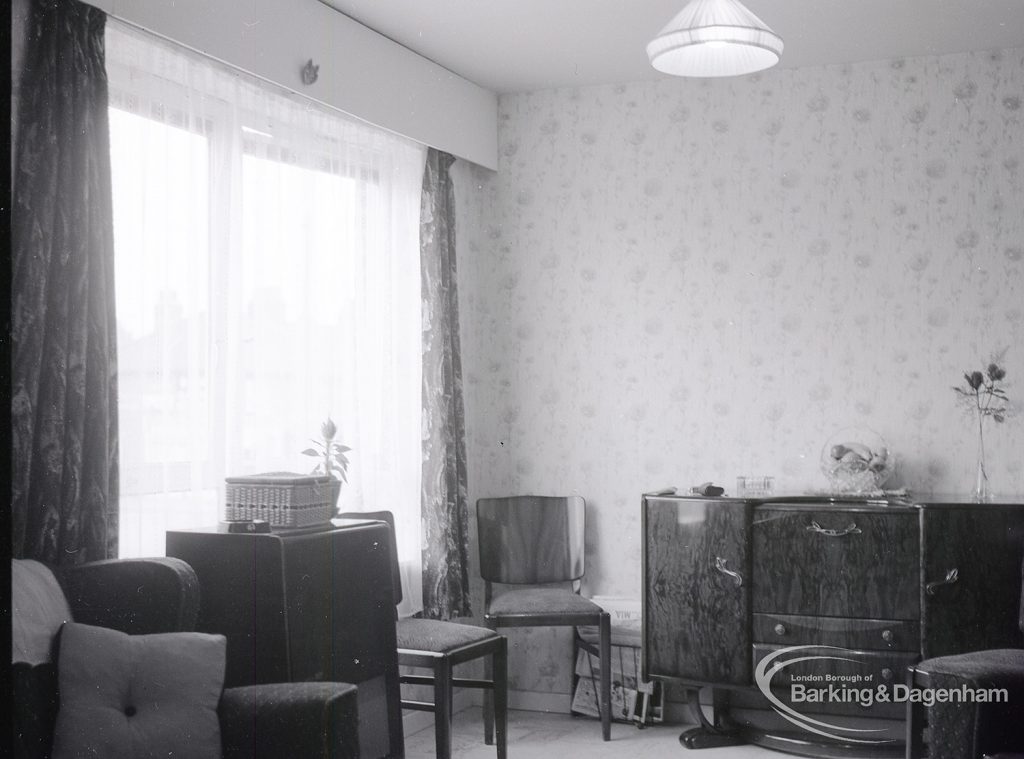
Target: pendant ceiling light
{"x": 714, "y": 38}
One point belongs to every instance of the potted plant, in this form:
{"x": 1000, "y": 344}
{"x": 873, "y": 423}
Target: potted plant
{"x": 332, "y": 460}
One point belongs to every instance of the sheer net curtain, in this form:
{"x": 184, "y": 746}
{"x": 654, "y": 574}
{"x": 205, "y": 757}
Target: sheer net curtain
{"x": 267, "y": 276}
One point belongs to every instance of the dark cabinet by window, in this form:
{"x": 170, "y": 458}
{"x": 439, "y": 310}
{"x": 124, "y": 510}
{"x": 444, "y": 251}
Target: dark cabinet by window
{"x": 307, "y": 604}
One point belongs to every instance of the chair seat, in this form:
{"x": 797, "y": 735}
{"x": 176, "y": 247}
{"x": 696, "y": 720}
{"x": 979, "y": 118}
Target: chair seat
{"x": 541, "y": 601}
{"x": 997, "y": 668}
{"x": 438, "y": 636}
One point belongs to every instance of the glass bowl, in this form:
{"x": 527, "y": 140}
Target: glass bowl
{"x": 857, "y": 460}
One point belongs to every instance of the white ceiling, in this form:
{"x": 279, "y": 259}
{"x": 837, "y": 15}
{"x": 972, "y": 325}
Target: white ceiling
{"x": 520, "y": 45}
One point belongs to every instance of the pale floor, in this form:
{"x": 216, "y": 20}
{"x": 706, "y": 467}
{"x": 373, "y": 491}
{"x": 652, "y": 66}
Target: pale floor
{"x": 545, "y": 735}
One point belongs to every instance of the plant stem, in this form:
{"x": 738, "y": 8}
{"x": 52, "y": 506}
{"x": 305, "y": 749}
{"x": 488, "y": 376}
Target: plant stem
{"x": 981, "y": 446}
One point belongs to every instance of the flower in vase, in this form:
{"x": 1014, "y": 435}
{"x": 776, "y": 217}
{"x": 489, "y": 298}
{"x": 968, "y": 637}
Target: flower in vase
{"x": 983, "y": 395}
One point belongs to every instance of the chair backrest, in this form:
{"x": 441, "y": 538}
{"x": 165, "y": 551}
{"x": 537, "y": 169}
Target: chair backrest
{"x": 383, "y": 516}
{"x": 531, "y": 540}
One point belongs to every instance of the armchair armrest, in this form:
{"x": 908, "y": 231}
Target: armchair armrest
{"x": 135, "y": 596}
{"x": 283, "y": 720}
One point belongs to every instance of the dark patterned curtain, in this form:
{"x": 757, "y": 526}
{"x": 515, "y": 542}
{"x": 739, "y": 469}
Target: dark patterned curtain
{"x": 64, "y": 389}
{"x": 445, "y": 512}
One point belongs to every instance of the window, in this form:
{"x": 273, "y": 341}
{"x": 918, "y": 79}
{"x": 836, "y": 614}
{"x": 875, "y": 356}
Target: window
{"x": 267, "y": 276}
{"x": 162, "y": 274}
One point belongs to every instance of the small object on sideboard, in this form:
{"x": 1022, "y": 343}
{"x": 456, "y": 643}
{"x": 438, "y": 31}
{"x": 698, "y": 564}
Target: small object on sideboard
{"x": 755, "y": 486}
{"x": 248, "y": 525}
{"x": 670, "y": 490}
{"x": 707, "y": 488}
{"x": 856, "y": 460}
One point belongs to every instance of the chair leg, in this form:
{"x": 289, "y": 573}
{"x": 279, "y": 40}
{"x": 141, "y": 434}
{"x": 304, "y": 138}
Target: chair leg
{"x": 606, "y": 675}
{"x": 500, "y": 690}
{"x": 443, "y": 708}
{"x": 575, "y": 677}
{"x": 489, "y": 701}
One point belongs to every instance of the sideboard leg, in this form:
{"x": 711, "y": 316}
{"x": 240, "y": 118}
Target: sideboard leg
{"x": 708, "y": 734}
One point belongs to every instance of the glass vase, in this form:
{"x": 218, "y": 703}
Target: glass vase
{"x": 981, "y": 491}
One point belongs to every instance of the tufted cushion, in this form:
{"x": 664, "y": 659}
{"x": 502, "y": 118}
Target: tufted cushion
{"x": 38, "y": 609}
{"x": 542, "y": 601}
{"x": 138, "y": 696}
{"x": 438, "y": 636}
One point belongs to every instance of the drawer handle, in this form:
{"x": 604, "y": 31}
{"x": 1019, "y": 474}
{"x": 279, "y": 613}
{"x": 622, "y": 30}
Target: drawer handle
{"x": 851, "y": 529}
{"x": 887, "y": 674}
{"x": 720, "y": 565}
{"x": 951, "y": 577}
{"x": 887, "y": 636}
{"x": 780, "y": 629}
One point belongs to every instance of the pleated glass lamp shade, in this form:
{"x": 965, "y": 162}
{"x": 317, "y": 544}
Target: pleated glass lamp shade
{"x": 714, "y": 38}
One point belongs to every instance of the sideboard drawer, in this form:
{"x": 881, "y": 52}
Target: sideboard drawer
{"x": 871, "y": 675}
{"x": 836, "y": 563}
{"x": 869, "y": 634}
{"x": 854, "y": 668}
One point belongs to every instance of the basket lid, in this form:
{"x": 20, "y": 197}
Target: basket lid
{"x": 279, "y": 478}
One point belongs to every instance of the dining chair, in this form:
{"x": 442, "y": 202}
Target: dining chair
{"x": 535, "y": 545}
{"x": 440, "y": 645}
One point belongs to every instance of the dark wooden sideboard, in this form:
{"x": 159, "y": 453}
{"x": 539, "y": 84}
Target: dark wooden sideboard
{"x": 305, "y": 604}
{"x": 729, "y": 583}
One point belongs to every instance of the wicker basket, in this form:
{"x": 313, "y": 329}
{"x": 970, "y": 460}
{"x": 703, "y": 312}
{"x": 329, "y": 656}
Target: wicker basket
{"x": 284, "y": 499}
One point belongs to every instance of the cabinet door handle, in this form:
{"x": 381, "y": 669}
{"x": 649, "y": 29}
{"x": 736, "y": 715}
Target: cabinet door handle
{"x": 951, "y": 577}
{"x": 720, "y": 565}
{"x": 851, "y": 529}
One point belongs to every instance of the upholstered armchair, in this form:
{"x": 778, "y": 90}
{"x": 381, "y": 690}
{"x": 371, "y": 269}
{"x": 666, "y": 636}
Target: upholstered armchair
{"x": 147, "y": 597}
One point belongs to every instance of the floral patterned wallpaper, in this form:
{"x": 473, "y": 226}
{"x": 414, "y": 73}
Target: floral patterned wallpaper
{"x": 688, "y": 280}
